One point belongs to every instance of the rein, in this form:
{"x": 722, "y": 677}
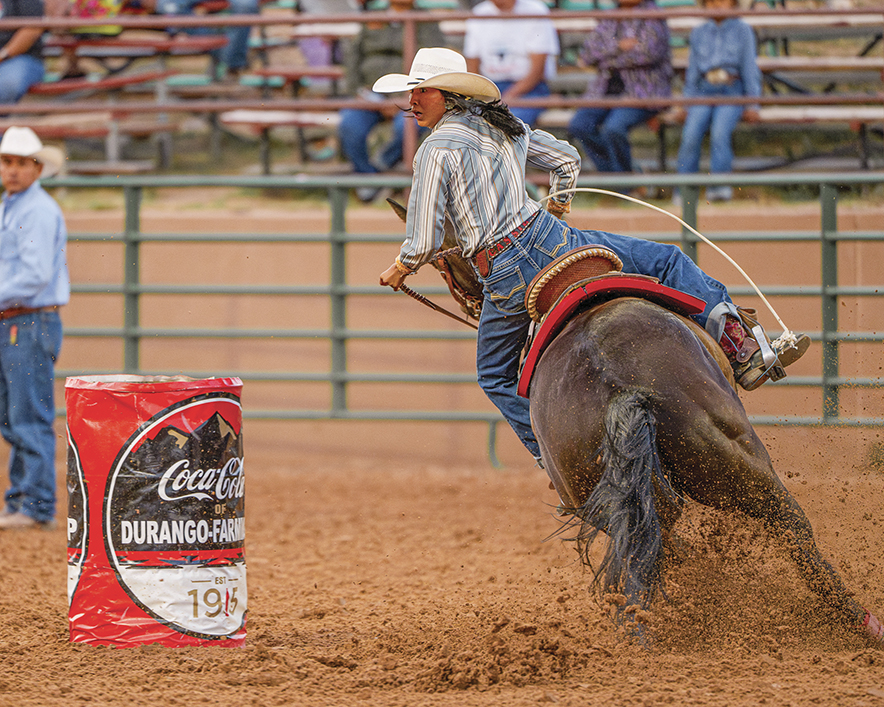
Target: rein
{"x": 435, "y": 307}
{"x": 441, "y": 255}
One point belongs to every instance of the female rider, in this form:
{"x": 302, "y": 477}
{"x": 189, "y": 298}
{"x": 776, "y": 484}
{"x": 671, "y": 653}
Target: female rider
{"x": 472, "y": 169}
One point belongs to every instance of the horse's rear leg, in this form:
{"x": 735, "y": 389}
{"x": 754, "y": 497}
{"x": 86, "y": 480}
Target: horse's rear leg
{"x": 753, "y": 487}
{"x": 781, "y": 513}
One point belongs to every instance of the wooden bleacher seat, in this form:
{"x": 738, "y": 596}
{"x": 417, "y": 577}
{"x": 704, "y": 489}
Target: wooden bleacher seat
{"x": 117, "y": 54}
{"x": 858, "y": 117}
{"x": 262, "y": 121}
{"x": 107, "y": 125}
{"x": 293, "y": 76}
{"x": 101, "y": 84}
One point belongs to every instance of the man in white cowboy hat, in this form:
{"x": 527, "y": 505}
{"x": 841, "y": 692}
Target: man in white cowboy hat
{"x": 471, "y": 169}
{"x": 34, "y": 284}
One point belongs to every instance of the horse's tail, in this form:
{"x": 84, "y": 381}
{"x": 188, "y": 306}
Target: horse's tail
{"x": 622, "y": 504}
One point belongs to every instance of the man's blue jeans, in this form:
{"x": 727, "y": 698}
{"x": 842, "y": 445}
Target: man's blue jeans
{"x": 353, "y": 132}
{"x": 604, "y": 133}
{"x": 503, "y": 324}
{"x": 17, "y": 75}
{"x": 719, "y": 121}
{"x": 29, "y": 346}
{"x": 527, "y": 115}
{"x": 235, "y": 55}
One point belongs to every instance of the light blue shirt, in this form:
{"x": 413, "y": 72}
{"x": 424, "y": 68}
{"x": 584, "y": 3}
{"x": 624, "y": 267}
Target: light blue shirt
{"x": 472, "y": 172}
{"x": 730, "y": 45}
{"x": 33, "y": 238}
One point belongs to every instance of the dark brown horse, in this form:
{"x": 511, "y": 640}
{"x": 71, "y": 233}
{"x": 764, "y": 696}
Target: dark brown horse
{"x": 636, "y": 412}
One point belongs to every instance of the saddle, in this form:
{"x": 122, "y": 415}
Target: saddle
{"x": 564, "y": 287}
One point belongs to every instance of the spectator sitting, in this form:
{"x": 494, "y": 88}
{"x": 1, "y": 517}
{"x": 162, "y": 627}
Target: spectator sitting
{"x": 84, "y": 9}
{"x": 374, "y": 52}
{"x": 722, "y": 62}
{"x": 518, "y": 55}
{"x": 633, "y": 59}
{"x": 234, "y": 57}
{"x": 21, "y": 51}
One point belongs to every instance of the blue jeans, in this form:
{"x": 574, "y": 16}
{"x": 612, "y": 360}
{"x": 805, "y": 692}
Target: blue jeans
{"x": 235, "y": 55}
{"x": 503, "y": 324}
{"x": 719, "y": 122}
{"x": 604, "y": 133}
{"x": 17, "y": 75}
{"x": 527, "y": 115}
{"x": 29, "y": 346}
{"x": 353, "y": 132}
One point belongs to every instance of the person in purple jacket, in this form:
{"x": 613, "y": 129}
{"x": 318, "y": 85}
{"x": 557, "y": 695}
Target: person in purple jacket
{"x": 633, "y": 59}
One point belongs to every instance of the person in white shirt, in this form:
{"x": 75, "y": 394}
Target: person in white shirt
{"x": 518, "y": 55}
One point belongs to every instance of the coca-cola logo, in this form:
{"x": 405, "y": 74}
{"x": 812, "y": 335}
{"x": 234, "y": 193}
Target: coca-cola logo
{"x": 186, "y": 464}
{"x": 181, "y": 481}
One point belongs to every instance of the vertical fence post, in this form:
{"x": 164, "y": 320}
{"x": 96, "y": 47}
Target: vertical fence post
{"x": 829, "y": 252}
{"x": 131, "y": 279}
{"x": 690, "y": 196}
{"x": 338, "y": 304}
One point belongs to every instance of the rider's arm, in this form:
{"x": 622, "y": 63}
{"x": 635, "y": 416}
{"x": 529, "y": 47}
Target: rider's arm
{"x": 561, "y": 160}
{"x": 425, "y": 223}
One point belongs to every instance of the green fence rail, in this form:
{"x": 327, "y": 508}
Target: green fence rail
{"x": 339, "y": 374}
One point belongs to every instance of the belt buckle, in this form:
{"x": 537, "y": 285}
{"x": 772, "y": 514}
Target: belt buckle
{"x": 718, "y": 77}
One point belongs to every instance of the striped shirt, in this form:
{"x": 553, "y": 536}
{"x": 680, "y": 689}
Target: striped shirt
{"x": 472, "y": 173}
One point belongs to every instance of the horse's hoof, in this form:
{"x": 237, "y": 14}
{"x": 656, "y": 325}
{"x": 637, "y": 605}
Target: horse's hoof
{"x": 873, "y": 628}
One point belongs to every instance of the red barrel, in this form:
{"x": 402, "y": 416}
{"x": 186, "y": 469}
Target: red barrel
{"x": 156, "y": 511}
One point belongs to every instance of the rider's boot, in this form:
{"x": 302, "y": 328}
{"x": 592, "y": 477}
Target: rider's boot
{"x": 754, "y": 358}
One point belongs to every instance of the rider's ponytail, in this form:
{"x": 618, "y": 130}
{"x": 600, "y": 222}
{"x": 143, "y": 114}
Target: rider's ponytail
{"x": 494, "y": 113}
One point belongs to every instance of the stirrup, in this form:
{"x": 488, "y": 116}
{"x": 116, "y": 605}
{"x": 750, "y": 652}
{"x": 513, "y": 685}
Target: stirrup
{"x": 767, "y": 361}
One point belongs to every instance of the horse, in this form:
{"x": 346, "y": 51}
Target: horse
{"x": 635, "y": 409}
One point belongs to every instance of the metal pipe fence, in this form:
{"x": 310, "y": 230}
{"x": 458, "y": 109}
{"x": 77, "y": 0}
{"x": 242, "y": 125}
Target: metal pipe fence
{"x": 339, "y": 374}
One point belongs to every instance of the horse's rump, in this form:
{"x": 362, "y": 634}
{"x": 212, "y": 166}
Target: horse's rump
{"x": 621, "y": 346}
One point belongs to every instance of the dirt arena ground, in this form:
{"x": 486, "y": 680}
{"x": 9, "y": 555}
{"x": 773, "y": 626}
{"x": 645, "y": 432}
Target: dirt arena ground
{"x": 390, "y": 564}
{"x": 396, "y": 582}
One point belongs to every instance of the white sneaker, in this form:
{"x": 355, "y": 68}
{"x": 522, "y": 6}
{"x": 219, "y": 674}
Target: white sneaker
{"x": 677, "y": 200}
{"x": 722, "y": 193}
{"x": 19, "y": 521}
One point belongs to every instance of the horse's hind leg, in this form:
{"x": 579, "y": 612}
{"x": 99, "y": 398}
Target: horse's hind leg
{"x": 781, "y": 513}
{"x": 749, "y": 484}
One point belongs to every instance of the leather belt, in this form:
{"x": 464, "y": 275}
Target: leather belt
{"x": 483, "y": 257}
{"x": 18, "y": 311}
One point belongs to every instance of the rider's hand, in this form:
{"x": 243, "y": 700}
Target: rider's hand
{"x": 558, "y": 209}
{"x": 392, "y": 277}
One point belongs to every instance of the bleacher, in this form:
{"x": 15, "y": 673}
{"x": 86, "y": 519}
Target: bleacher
{"x": 818, "y": 66}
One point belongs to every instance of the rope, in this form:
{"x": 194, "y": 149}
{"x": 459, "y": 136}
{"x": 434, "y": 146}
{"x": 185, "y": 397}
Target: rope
{"x": 787, "y": 338}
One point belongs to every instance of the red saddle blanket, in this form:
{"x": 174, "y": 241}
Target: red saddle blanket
{"x": 585, "y": 293}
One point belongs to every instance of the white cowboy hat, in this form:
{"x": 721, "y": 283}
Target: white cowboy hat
{"x": 443, "y": 69}
{"x": 24, "y": 142}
